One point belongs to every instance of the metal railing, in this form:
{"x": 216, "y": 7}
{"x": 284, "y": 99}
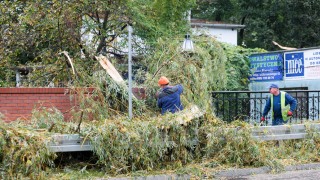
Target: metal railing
{"x": 69, "y": 143}
{"x": 283, "y": 132}
{"x": 249, "y": 105}
{"x": 74, "y": 142}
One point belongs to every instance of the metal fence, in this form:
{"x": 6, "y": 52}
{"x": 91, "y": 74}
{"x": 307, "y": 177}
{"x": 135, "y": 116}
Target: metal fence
{"x": 74, "y": 142}
{"x": 249, "y": 105}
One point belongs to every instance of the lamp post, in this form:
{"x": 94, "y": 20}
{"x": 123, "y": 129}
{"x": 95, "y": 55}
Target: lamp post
{"x": 130, "y": 70}
{"x": 187, "y": 44}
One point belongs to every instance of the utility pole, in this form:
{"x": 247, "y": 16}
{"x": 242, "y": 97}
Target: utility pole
{"x": 130, "y": 70}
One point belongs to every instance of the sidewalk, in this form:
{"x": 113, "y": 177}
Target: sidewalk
{"x": 225, "y": 174}
{"x": 233, "y": 173}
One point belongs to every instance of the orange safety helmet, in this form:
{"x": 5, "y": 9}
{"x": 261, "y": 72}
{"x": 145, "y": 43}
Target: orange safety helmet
{"x": 163, "y": 81}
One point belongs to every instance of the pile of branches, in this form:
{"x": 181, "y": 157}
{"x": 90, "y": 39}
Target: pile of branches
{"x": 123, "y": 146}
{"x": 23, "y": 152}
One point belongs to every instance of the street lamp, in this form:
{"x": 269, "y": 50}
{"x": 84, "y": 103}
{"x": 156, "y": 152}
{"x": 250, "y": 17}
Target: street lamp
{"x": 187, "y": 44}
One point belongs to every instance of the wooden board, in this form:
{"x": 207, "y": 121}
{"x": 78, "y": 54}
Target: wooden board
{"x": 111, "y": 70}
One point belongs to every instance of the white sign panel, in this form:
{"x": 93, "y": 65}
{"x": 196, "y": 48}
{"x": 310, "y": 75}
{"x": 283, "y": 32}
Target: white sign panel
{"x": 302, "y": 65}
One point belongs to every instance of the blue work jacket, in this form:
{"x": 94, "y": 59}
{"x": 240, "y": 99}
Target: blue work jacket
{"x": 169, "y": 99}
{"x": 277, "y": 118}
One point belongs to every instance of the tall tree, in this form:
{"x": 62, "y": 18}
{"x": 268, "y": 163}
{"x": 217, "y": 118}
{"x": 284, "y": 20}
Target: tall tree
{"x": 291, "y": 23}
{"x": 214, "y": 10}
{"x": 37, "y": 31}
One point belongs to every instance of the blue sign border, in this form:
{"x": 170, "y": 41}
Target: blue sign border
{"x": 266, "y": 67}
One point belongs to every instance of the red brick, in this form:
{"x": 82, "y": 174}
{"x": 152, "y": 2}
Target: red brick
{"x": 19, "y": 102}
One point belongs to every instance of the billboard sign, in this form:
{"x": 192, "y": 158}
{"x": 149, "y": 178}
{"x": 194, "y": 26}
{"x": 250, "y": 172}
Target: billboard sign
{"x": 302, "y": 65}
{"x": 266, "y": 67}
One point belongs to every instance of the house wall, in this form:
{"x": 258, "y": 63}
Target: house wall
{"x": 223, "y": 35}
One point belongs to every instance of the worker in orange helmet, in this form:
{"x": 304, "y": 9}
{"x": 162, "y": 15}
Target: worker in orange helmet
{"x": 168, "y": 97}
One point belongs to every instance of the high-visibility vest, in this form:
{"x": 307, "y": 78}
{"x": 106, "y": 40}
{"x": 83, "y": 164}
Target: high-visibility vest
{"x": 284, "y": 108}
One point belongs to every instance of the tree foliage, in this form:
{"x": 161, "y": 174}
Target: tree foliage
{"x": 238, "y": 66}
{"x": 290, "y": 23}
{"x": 200, "y": 72}
{"x": 36, "y": 32}
{"x": 214, "y": 10}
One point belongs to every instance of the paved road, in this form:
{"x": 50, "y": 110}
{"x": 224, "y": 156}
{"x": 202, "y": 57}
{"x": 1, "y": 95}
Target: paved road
{"x": 295, "y": 172}
{"x": 289, "y": 175}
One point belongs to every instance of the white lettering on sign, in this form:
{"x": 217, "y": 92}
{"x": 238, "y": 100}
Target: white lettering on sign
{"x": 294, "y": 66}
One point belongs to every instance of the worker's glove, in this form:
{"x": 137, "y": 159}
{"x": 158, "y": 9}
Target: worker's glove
{"x": 263, "y": 119}
{"x": 289, "y": 113}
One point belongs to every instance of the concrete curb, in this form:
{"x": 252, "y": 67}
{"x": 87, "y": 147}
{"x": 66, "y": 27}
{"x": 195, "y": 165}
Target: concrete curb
{"x": 232, "y": 173}
{"x": 156, "y": 177}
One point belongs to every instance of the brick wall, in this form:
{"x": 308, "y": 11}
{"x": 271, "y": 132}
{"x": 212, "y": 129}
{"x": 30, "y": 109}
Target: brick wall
{"x": 19, "y": 102}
